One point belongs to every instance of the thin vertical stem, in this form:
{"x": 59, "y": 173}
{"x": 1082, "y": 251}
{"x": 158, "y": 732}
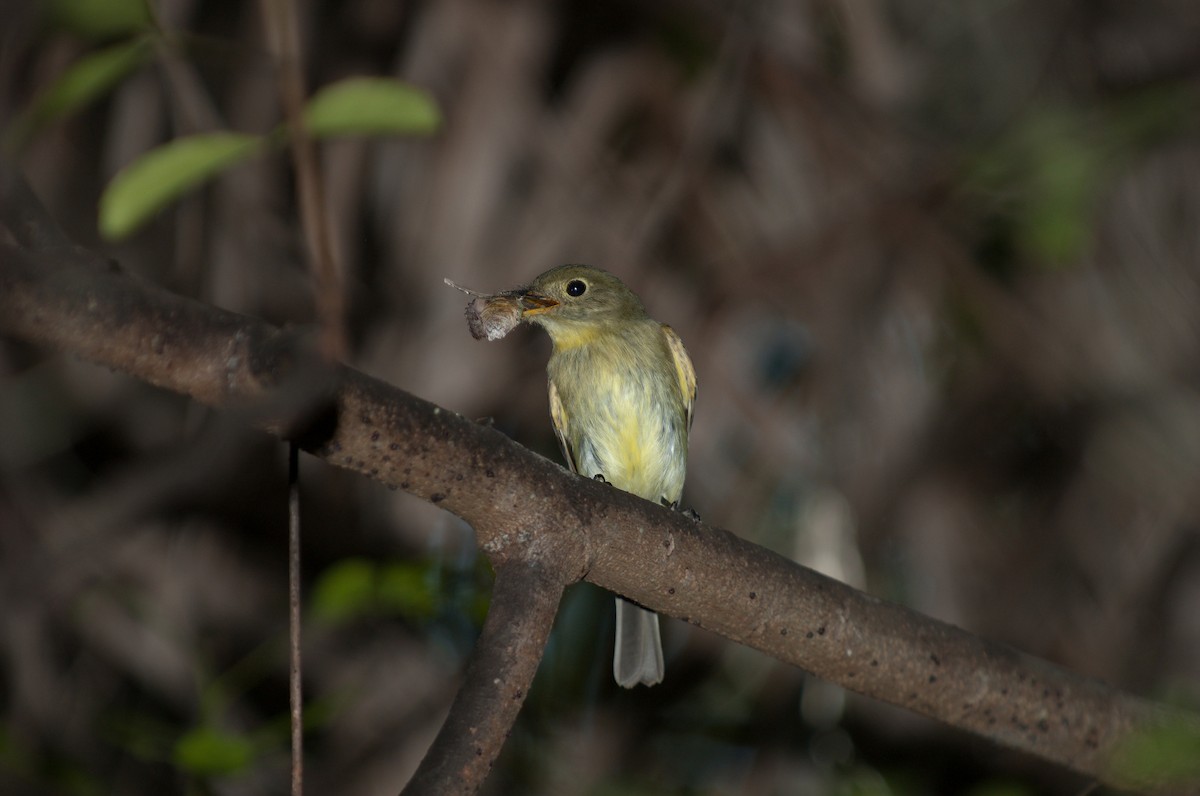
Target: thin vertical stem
{"x": 296, "y": 691}
{"x": 283, "y": 38}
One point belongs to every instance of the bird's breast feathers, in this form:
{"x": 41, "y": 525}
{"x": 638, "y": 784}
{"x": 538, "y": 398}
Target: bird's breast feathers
{"x": 620, "y": 411}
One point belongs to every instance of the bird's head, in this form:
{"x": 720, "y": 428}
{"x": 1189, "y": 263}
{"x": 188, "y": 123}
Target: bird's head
{"x": 577, "y": 297}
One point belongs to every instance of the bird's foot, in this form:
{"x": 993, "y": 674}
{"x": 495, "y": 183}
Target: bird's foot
{"x": 688, "y": 512}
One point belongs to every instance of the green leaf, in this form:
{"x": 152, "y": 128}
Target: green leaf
{"x": 163, "y": 174}
{"x": 207, "y": 751}
{"x": 87, "y": 80}
{"x": 345, "y": 591}
{"x": 100, "y": 19}
{"x": 370, "y": 106}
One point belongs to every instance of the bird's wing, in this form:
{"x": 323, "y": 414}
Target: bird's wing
{"x": 558, "y": 415}
{"x": 683, "y": 369}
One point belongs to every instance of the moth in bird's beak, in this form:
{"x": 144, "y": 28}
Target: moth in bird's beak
{"x": 493, "y": 315}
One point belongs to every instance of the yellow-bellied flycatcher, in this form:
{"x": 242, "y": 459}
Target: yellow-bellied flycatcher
{"x": 621, "y": 394}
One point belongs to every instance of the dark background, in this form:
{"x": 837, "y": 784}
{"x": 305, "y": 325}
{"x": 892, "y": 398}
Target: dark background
{"x": 937, "y": 264}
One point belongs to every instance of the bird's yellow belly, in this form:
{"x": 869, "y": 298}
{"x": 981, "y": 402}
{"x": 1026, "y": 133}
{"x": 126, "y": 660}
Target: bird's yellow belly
{"x": 636, "y": 447}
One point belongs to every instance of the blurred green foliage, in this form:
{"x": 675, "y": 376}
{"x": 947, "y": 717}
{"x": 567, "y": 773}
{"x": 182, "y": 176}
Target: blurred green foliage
{"x": 1045, "y": 175}
{"x": 360, "y": 106}
{"x": 345, "y": 590}
{"x": 87, "y": 80}
{"x": 101, "y": 19}
{"x": 408, "y": 590}
{"x": 1047, "y": 172}
{"x": 167, "y": 172}
{"x": 357, "y": 106}
{"x": 417, "y": 591}
{"x": 1169, "y": 752}
{"x": 864, "y": 781}
{"x": 208, "y": 751}
{"x": 370, "y": 106}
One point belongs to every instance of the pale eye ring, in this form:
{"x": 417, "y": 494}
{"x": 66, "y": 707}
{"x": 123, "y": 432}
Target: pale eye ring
{"x": 576, "y": 287}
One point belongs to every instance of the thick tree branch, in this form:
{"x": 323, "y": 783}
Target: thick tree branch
{"x": 524, "y": 508}
{"x": 506, "y": 656}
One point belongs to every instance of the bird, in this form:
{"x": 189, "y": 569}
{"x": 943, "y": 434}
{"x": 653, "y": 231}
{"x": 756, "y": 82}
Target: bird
{"x": 622, "y": 391}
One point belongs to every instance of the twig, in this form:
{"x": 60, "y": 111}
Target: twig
{"x": 295, "y": 680}
{"x": 283, "y": 38}
{"x": 524, "y": 601}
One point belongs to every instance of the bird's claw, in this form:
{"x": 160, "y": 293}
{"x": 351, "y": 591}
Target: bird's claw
{"x": 688, "y": 512}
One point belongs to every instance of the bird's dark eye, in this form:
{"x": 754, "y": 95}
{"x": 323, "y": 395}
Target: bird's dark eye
{"x": 576, "y": 287}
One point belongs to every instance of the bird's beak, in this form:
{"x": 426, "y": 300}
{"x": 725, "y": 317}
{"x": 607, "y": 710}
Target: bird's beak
{"x": 533, "y": 303}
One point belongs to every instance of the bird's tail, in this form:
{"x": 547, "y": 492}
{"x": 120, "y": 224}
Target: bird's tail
{"x": 638, "y": 656}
